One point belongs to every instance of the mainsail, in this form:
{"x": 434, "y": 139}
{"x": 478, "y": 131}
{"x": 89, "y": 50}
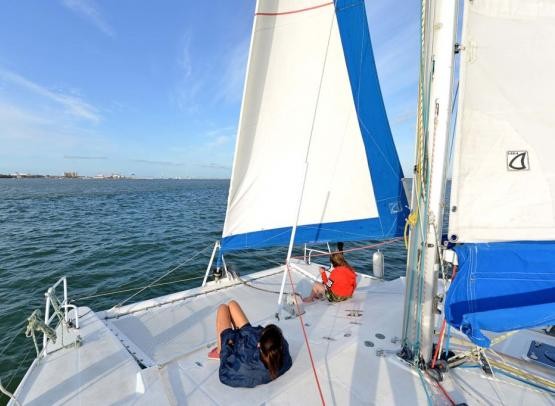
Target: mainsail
{"x": 314, "y": 147}
{"x": 503, "y": 191}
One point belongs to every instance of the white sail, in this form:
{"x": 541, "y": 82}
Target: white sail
{"x": 299, "y": 112}
{"x": 504, "y": 168}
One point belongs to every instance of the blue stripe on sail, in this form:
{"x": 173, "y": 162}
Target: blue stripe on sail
{"x": 502, "y": 287}
{"x": 354, "y": 230}
{"x": 383, "y": 161}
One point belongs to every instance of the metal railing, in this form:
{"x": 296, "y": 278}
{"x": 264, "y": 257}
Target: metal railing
{"x": 53, "y": 302}
{"x": 307, "y": 256}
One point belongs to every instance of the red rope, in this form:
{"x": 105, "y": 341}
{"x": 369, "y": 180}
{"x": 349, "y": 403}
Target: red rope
{"x": 294, "y": 11}
{"x": 354, "y": 249}
{"x": 449, "y": 398}
{"x": 439, "y": 342}
{"x": 442, "y": 331}
{"x": 306, "y": 338}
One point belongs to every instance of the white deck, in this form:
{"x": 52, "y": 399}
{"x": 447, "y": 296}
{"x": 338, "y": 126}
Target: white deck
{"x": 354, "y": 364}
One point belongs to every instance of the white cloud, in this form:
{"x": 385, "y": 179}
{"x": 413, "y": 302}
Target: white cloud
{"x": 402, "y": 118}
{"x": 89, "y": 11}
{"x": 209, "y": 78}
{"x": 213, "y": 165}
{"x": 72, "y": 104}
{"x": 220, "y": 137}
{"x": 38, "y": 124}
{"x": 24, "y": 132}
{"x": 220, "y": 140}
{"x": 153, "y": 162}
{"x": 83, "y": 157}
{"x": 230, "y": 85}
{"x": 185, "y": 61}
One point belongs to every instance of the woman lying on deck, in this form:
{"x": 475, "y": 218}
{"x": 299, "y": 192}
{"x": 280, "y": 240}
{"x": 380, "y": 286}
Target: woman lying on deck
{"x": 249, "y": 356}
{"x": 339, "y": 286}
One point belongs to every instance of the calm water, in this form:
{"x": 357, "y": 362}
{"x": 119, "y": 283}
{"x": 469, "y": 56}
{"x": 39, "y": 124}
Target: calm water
{"x": 110, "y": 235}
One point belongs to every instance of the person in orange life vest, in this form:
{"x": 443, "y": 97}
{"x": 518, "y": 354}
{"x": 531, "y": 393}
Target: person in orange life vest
{"x": 339, "y": 286}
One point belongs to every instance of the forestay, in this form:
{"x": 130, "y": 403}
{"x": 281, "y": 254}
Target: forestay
{"x": 312, "y": 102}
{"x": 503, "y": 191}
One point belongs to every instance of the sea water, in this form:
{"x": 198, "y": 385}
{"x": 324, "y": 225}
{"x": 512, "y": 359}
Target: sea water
{"x": 109, "y": 236}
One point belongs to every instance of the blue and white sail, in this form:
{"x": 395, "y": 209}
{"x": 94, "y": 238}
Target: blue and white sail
{"x": 503, "y": 190}
{"x": 312, "y": 102}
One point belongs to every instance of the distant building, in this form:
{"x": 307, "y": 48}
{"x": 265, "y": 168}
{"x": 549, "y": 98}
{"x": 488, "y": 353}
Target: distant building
{"x": 70, "y": 175}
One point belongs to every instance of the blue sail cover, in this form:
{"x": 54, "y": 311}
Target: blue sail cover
{"x": 377, "y": 149}
{"x": 502, "y": 287}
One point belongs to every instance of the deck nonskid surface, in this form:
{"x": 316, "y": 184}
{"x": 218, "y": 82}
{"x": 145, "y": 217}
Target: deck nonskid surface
{"x": 353, "y": 346}
{"x": 344, "y": 339}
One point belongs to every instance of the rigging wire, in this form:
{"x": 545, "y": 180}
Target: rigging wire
{"x": 161, "y": 277}
{"x": 418, "y": 182}
{"x": 21, "y": 326}
{"x": 114, "y": 292}
{"x": 370, "y": 246}
{"x": 25, "y": 358}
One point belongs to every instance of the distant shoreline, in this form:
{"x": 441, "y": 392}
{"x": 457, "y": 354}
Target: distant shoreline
{"x": 50, "y": 177}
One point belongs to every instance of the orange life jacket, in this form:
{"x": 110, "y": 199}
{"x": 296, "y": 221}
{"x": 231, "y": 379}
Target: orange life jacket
{"x": 342, "y": 281}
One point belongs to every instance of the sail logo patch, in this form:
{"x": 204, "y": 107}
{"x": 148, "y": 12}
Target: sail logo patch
{"x": 517, "y": 161}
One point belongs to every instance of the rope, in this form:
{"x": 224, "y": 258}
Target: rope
{"x": 442, "y": 332}
{"x": 160, "y": 278}
{"x": 425, "y": 385}
{"x": 473, "y": 353}
{"x": 448, "y": 340}
{"x": 523, "y": 380}
{"x": 412, "y": 219}
{"x": 442, "y": 389}
{"x": 449, "y": 398}
{"x": 439, "y": 344}
{"x": 518, "y": 372}
{"x": 34, "y": 323}
{"x": 244, "y": 282}
{"x": 8, "y": 394}
{"x": 306, "y": 337}
{"x": 517, "y": 378}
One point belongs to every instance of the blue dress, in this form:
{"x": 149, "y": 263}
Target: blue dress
{"x": 240, "y": 363}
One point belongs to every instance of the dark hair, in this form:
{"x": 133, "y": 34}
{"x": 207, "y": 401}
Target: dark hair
{"x": 271, "y": 349}
{"x": 337, "y": 259}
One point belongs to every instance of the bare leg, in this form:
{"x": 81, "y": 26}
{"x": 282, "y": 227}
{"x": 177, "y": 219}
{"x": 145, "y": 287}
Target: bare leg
{"x": 238, "y": 317}
{"x": 223, "y": 321}
{"x": 318, "y": 290}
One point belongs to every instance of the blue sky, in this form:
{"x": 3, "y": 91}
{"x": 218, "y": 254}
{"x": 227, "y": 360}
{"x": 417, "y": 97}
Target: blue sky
{"x": 154, "y": 88}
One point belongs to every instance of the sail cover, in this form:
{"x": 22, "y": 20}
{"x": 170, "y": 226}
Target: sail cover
{"x": 312, "y": 102}
{"x": 501, "y": 287}
{"x": 503, "y": 190}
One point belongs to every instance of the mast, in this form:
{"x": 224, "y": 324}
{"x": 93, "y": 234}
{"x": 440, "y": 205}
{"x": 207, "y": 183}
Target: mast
{"x": 436, "y": 86}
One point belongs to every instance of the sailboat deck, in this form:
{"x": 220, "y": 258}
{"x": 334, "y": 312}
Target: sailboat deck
{"x": 156, "y": 351}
